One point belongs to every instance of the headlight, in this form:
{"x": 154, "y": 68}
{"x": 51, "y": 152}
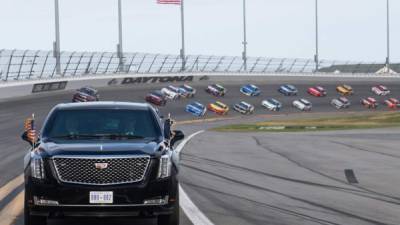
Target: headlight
{"x": 37, "y": 168}
{"x": 164, "y": 169}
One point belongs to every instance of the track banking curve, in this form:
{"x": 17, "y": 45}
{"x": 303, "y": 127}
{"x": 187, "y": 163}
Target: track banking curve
{"x": 14, "y": 111}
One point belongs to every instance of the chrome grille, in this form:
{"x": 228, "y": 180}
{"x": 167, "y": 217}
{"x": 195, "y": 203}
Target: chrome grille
{"x": 91, "y": 171}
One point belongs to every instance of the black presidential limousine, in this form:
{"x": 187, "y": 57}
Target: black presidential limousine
{"x": 102, "y": 159}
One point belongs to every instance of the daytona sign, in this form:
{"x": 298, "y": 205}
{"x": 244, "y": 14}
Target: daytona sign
{"x": 152, "y": 80}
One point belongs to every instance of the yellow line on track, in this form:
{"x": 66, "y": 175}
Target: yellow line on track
{"x": 15, "y": 208}
{"x": 11, "y": 186}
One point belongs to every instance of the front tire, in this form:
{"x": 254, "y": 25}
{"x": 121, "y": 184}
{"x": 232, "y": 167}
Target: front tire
{"x": 29, "y": 219}
{"x": 172, "y": 219}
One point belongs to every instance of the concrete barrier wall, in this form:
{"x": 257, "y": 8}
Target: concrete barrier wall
{"x": 25, "y": 88}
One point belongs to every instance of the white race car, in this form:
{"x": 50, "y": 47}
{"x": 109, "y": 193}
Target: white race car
{"x": 272, "y": 104}
{"x": 341, "y": 103}
{"x": 380, "y": 90}
{"x": 171, "y": 93}
{"x": 302, "y": 104}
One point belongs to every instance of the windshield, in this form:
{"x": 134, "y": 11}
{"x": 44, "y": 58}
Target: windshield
{"x": 220, "y": 105}
{"x": 198, "y": 105}
{"x": 87, "y": 91}
{"x": 102, "y": 123}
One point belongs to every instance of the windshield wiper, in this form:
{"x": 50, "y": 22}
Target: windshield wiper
{"x": 77, "y": 136}
{"x": 122, "y": 136}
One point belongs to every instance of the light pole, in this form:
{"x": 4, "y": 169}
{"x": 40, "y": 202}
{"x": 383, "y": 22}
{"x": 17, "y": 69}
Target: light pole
{"x": 182, "y": 52}
{"x": 244, "y": 54}
{"x": 316, "y": 56}
{"x": 56, "y": 44}
{"x": 388, "y": 36}
{"x": 119, "y": 46}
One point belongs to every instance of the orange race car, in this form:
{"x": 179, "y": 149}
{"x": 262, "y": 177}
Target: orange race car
{"x": 345, "y": 89}
{"x": 219, "y": 108}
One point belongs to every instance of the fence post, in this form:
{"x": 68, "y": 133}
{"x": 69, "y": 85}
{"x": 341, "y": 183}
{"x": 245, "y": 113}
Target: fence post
{"x": 305, "y": 66}
{"x": 99, "y": 63}
{"x": 151, "y": 65}
{"x": 9, "y": 64}
{"x": 21, "y": 64}
{"x": 163, "y": 63}
{"x": 205, "y": 65}
{"x": 130, "y": 64}
{"x": 173, "y": 66}
{"x": 109, "y": 62}
{"x": 44, "y": 64}
{"x": 255, "y": 64}
{"x": 219, "y": 63}
{"x": 291, "y": 67}
{"x": 69, "y": 61}
{"x": 87, "y": 70}
{"x": 267, "y": 65}
{"x": 1, "y": 71}
{"x": 196, "y": 62}
{"x": 230, "y": 64}
{"x": 279, "y": 69}
{"x": 141, "y": 62}
{"x": 33, "y": 64}
{"x": 79, "y": 63}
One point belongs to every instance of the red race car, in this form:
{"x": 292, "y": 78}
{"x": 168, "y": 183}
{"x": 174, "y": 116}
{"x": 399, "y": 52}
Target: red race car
{"x": 317, "y": 91}
{"x": 392, "y": 103}
{"x": 156, "y": 98}
{"x": 369, "y": 102}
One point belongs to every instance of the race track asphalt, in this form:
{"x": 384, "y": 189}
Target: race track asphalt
{"x": 12, "y": 149}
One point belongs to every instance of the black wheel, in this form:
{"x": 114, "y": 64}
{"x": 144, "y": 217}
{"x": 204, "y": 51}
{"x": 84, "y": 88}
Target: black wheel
{"x": 172, "y": 219}
{"x": 32, "y": 220}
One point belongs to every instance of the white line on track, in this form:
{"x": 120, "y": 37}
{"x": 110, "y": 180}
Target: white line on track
{"x": 15, "y": 207}
{"x": 189, "y": 208}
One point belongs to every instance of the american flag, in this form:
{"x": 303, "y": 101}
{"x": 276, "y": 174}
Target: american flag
{"x": 175, "y": 2}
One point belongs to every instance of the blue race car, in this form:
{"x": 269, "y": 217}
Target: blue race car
{"x": 288, "y": 90}
{"x": 196, "y": 109}
{"x": 250, "y": 90}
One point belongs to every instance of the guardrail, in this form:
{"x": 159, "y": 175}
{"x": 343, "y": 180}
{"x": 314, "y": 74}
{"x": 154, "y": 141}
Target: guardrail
{"x": 32, "y": 65}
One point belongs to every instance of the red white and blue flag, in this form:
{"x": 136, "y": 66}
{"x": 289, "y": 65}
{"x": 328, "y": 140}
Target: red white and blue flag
{"x": 173, "y": 2}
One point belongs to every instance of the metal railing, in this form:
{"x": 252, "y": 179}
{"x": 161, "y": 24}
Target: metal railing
{"x": 26, "y": 65}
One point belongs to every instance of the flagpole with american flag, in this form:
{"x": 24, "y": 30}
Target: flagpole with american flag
{"x": 181, "y": 3}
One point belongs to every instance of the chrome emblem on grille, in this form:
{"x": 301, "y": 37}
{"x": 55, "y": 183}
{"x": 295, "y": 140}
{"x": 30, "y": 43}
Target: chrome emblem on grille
{"x": 101, "y": 166}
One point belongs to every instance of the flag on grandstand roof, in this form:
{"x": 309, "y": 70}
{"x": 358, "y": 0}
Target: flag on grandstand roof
{"x": 173, "y": 2}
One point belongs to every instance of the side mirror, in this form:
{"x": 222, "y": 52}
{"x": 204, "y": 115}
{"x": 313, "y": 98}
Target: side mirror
{"x": 177, "y": 136}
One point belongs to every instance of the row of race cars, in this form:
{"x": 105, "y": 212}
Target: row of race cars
{"x": 172, "y": 93}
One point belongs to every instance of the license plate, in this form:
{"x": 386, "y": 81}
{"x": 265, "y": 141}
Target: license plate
{"x": 105, "y": 197}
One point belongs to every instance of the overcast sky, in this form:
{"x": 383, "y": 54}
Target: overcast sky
{"x": 350, "y": 29}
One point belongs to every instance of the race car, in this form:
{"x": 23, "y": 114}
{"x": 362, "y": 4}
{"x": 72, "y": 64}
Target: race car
{"x": 288, "y": 90}
{"x": 302, "y": 104}
{"x": 196, "y": 108}
{"x": 244, "y": 108}
{"x": 340, "y": 103}
{"x": 345, "y": 89}
{"x": 272, "y": 104}
{"x": 317, "y": 91}
{"x": 216, "y": 90}
{"x": 369, "y": 102}
{"x": 250, "y": 90}
{"x": 392, "y": 103}
{"x": 171, "y": 92}
{"x": 191, "y": 92}
{"x": 86, "y": 94}
{"x": 218, "y": 107}
{"x": 380, "y": 90}
{"x": 156, "y": 98}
